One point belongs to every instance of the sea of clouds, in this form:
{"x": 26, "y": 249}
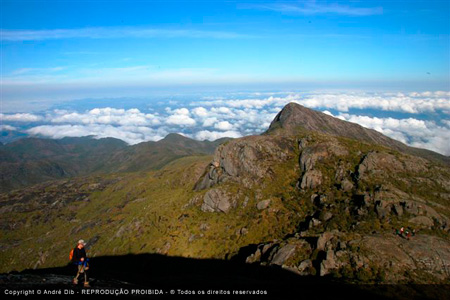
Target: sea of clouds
{"x": 417, "y": 119}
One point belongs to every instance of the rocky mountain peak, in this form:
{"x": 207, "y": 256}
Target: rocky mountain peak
{"x": 294, "y": 118}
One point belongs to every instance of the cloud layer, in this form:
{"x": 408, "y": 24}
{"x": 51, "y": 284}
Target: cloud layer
{"x": 317, "y": 8}
{"x": 418, "y": 119}
{"x": 113, "y": 33}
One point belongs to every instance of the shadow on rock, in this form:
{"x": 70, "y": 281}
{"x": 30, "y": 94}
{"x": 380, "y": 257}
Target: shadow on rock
{"x": 153, "y": 271}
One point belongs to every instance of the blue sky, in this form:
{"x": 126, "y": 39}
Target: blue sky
{"x": 60, "y": 58}
{"x": 147, "y": 44}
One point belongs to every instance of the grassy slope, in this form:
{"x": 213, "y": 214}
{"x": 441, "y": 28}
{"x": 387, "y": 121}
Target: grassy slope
{"x": 158, "y": 212}
{"x": 138, "y": 213}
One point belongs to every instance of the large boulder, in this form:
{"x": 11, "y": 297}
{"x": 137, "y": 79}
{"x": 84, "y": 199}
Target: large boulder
{"x": 328, "y": 264}
{"x": 263, "y": 204}
{"x": 216, "y": 200}
{"x": 311, "y": 179}
{"x": 283, "y": 254}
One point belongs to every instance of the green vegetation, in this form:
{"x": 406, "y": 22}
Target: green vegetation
{"x": 140, "y": 210}
{"x": 144, "y": 212}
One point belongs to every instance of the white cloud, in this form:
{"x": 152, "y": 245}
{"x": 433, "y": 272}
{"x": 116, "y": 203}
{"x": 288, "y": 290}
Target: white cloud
{"x": 413, "y": 103}
{"x": 209, "y": 122}
{"x": 113, "y": 33}
{"x": 180, "y": 116}
{"x": 7, "y": 128}
{"x": 316, "y": 8}
{"x": 129, "y": 134}
{"x": 221, "y": 110}
{"x": 414, "y": 132}
{"x": 183, "y": 120}
{"x": 182, "y": 111}
{"x": 224, "y": 125}
{"x": 106, "y": 115}
{"x": 213, "y": 117}
{"x": 214, "y": 135}
{"x": 200, "y": 112}
{"x": 21, "y": 117}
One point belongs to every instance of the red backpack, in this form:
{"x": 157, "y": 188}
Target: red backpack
{"x": 71, "y": 255}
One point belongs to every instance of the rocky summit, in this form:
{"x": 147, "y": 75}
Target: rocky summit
{"x": 314, "y": 196}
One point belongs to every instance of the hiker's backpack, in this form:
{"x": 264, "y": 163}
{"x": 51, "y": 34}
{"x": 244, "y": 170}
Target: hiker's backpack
{"x": 71, "y": 254}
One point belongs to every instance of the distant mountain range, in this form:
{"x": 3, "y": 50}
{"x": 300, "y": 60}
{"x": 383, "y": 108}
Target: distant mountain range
{"x": 29, "y": 161}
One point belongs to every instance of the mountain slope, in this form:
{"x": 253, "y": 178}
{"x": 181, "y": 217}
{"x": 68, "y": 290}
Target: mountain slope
{"x": 154, "y": 155}
{"x": 33, "y": 160}
{"x": 294, "y": 117}
{"x": 355, "y": 188}
{"x": 313, "y": 203}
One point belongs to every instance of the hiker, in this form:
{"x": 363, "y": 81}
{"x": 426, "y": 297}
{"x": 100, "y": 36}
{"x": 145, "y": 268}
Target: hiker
{"x": 408, "y": 235}
{"x": 80, "y": 259}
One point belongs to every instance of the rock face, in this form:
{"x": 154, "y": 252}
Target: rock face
{"x": 246, "y": 160}
{"x": 216, "y": 200}
{"x": 294, "y": 117}
{"x": 283, "y": 254}
{"x": 357, "y": 191}
{"x": 383, "y": 253}
{"x": 311, "y": 179}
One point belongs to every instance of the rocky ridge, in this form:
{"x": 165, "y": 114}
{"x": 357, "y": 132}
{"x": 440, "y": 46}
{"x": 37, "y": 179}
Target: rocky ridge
{"x": 361, "y": 189}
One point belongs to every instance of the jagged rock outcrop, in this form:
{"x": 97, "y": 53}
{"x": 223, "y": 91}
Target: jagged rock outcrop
{"x": 388, "y": 256}
{"x": 311, "y": 179}
{"x": 246, "y": 160}
{"x": 216, "y": 200}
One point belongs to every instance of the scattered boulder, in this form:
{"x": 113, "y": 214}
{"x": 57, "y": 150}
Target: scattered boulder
{"x": 311, "y": 179}
{"x": 346, "y": 185}
{"x": 302, "y": 143}
{"x": 283, "y": 254}
{"x": 305, "y": 266}
{"x": 263, "y": 204}
{"x": 314, "y": 223}
{"x": 244, "y": 204}
{"x": 328, "y": 264}
{"x": 243, "y": 231}
{"x": 204, "y": 226}
{"x": 380, "y": 211}
{"x": 192, "y": 238}
{"x": 323, "y": 239}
